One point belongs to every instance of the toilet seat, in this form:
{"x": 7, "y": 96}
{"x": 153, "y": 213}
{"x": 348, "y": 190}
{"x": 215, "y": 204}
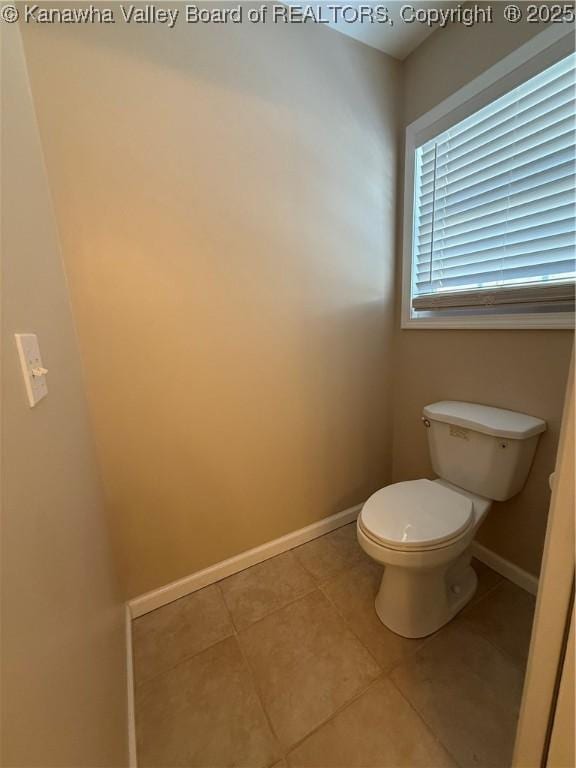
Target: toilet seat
{"x": 416, "y": 515}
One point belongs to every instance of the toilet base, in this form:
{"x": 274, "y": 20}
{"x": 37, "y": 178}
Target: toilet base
{"x": 416, "y": 602}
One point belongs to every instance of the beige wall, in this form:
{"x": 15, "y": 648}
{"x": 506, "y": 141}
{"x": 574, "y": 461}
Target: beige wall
{"x": 63, "y": 677}
{"x": 226, "y": 199}
{"x": 520, "y": 370}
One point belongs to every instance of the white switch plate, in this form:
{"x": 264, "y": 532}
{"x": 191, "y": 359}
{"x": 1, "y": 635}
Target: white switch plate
{"x": 30, "y": 360}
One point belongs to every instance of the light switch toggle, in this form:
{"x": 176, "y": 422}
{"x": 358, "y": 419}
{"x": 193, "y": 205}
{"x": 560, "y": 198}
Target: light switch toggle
{"x": 33, "y": 371}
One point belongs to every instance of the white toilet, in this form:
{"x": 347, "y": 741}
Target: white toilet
{"x": 422, "y": 530}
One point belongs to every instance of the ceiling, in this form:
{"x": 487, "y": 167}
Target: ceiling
{"x": 398, "y": 38}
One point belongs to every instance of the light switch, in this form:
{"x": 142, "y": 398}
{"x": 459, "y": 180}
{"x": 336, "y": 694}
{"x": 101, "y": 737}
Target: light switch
{"x": 32, "y": 369}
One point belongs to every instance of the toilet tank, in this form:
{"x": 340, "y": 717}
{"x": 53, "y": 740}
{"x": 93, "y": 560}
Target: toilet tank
{"x": 485, "y": 450}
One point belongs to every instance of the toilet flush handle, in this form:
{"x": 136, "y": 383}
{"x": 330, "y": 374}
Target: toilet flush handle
{"x": 425, "y": 422}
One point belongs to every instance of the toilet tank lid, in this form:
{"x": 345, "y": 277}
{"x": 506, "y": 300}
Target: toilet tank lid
{"x": 483, "y": 418}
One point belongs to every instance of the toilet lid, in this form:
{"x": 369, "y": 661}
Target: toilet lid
{"x": 419, "y": 514}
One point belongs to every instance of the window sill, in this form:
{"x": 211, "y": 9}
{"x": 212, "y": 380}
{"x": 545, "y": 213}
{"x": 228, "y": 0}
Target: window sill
{"x": 543, "y": 50}
{"x": 551, "y": 321}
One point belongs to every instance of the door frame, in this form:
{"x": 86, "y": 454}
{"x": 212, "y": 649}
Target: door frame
{"x": 561, "y": 753}
{"x": 554, "y": 605}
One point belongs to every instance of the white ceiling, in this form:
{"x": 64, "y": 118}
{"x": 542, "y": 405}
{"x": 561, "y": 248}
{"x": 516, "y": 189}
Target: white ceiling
{"x": 397, "y": 39}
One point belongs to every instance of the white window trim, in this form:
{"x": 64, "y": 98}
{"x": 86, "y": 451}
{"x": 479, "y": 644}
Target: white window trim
{"x": 541, "y": 51}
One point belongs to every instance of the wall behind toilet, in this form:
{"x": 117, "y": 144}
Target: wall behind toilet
{"x": 524, "y": 370}
{"x": 226, "y": 197}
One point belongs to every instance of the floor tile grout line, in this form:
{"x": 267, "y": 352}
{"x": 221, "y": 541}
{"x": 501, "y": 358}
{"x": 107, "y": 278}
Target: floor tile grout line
{"x": 302, "y": 595}
{"x": 282, "y": 753}
{"x": 316, "y": 588}
{"x": 463, "y": 616}
{"x": 424, "y": 640}
{"x": 218, "y": 585}
{"x": 387, "y": 670}
{"x": 385, "y": 673}
{"x": 480, "y": 598}
{"x": 422, "y": 716}
{"x": 519, "y": 665}
{"x": 287, "y": 750}
{"x": 183, "y": 660}
{"x": 319, "y": 586}
{"x": 337, "y": 711}
{"x": 259, "y": 694}
{"x": 506, "y": 657}
{"x": 352, "y": 630}
{"x": 234, "y": 632}
{"x": 423, "y": 720}
{"x": 318, "y": 581}
{"x": 460, "y": 616}
{"x": 263, "y": 563}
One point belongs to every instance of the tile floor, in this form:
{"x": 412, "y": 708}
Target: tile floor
{"x": 287, "y": 665}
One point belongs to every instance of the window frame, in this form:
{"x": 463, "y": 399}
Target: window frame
{"x": 542, "y": 51}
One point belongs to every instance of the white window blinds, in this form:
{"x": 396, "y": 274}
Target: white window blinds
{"x": 494, "y": 205}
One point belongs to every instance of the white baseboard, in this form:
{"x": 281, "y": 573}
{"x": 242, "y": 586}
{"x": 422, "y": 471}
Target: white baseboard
{"x": 138, "y": 606}
{"x": 132, "y": 761}
{"x": 505, "y": 568}
{"x": 142, "y": 604}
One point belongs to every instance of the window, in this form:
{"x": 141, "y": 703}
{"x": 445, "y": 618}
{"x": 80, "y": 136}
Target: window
{"x": 493, "y": 214}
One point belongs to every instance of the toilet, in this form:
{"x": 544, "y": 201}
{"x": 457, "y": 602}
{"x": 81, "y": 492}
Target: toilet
{"x": 421, "y": 531}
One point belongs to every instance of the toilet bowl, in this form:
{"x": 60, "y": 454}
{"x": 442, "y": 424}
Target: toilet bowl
{"x": 421, "y": 531}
